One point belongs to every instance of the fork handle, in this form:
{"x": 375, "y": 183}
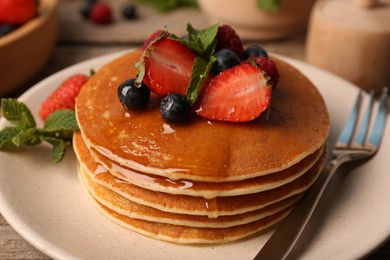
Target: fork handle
{"x": 288, "y": 232}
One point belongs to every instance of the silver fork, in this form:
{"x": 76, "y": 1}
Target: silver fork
{"x": 353, "y": 144}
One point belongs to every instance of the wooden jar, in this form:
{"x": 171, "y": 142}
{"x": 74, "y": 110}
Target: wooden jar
{"x": 352, "y": 40}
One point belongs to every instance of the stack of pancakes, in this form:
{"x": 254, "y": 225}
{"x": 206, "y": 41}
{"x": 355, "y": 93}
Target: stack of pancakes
{"x": 200, "y": 181}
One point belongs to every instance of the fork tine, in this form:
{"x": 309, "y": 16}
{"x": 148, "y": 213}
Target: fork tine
{"x": 380, "y": 121}
{"x": 362, "y": 133}
{"x": 346, "y": 135}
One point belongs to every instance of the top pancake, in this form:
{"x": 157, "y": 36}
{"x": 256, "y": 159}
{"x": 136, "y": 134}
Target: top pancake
{"x": 202, "y": 150}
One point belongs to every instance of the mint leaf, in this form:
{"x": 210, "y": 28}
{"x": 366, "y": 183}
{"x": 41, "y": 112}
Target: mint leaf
{"x": 203, "y": 41}
{"x": 17, "y": 113}
{"x": 64, "y": 119}
{"x": 269, "y": 5}
{"x": 61, "y": 124}
{"x": 59, "y": 148}
{"x": 7, "y": 134}
{"x": 200, "y": 70}
{"x": 58, "y": 128}
{"x": 168, "y": 5}
{"x": 27, "y": 137}
{"x": 206, "y": 38}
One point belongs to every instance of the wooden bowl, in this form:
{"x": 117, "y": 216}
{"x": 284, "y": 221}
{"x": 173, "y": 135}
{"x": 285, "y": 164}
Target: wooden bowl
{"x": 253, "y": 23}
{"x": 24, "y": 51}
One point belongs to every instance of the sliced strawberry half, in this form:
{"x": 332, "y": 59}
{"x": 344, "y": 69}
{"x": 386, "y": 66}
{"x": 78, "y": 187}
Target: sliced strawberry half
{"x": 237, "y": 94}
{"x": 168, "y": 66}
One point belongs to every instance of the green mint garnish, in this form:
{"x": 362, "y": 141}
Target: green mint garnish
{"x": 169, "y": 5}
{"x": 200, "y": 71}
{"x": 61, "y": 123}
{"x": 7, "y": 134}
{"x": 203, "y": 41}
{"x": 269, "y": 5}
{"x": 57, "y": 130}
{"x": 17, "y": 113}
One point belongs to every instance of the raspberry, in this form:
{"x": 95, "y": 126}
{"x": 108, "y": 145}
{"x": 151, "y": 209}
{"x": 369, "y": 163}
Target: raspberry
{"x": 268, "y": 66}
{"x": 101, "y": 13}
{"x": 229, "y": 39}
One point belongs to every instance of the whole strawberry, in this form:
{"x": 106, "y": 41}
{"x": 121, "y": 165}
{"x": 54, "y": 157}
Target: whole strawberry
{"x": 17, "y": 12}
{"x": 64, "y": 96}
{"x": 227, "y": 38}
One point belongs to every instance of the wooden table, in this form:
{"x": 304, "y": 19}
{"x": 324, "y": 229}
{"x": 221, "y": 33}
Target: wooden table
{"x": 90, "y": 41}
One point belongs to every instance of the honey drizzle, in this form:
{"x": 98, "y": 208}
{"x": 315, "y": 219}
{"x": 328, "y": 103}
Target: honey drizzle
{"x": 212, "y": 208}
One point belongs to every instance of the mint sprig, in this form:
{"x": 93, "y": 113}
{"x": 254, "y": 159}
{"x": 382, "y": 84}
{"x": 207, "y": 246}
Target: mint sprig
{"x": 169, "y": 5}
{"x": 269, "y": 5}
{"x": 200, "y": 70}
{"x": 17, "y": 113}
{"x": 202, "y": 42}
{"x": 57, "y": 130}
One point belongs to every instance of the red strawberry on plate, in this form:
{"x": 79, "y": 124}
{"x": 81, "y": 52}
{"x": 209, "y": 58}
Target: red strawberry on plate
{"x": 168, "y": 66}
{"x": 238, "y": 94}
{"x": 64, "y": 96}
{"x": 17, "y": 12}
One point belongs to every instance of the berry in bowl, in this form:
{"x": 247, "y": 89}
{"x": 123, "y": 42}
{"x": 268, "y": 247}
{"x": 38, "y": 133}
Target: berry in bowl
{"x": 27, "y": 40}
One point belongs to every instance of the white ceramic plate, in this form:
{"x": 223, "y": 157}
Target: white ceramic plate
{"x": 46, "y": 204}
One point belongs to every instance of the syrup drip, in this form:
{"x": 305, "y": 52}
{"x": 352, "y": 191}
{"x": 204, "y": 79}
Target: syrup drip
{"x": 181, "y": 184}
{"x": 212, "y": 208}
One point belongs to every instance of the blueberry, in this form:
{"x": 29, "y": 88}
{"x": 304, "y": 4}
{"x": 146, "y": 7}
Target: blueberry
{"x": 133, "y": 97}
{"x": 129, "y": 12}
{"x": 255, "y": 51}
{"x": 226, "y": 59}
{"x": 175, "y": 108}
{"x": 86, "y": 8}
{"x": 6, "y": 28}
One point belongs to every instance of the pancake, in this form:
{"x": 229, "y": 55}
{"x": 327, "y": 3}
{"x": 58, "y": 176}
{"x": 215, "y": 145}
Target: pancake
{"x": 191, "y": 235}
{"x": 207, "y": 190}
{"x": 183, "y": 204}
{"x": 123, "y": 206}
{"x": 202, "y": 150}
